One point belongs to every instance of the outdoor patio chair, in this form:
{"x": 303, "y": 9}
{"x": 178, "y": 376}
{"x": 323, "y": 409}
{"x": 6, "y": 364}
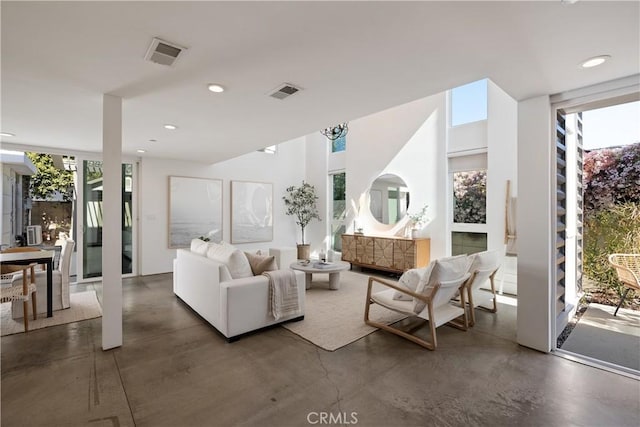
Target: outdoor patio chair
{"x": 433, "y": 302}
{"x": 628, "y": 269}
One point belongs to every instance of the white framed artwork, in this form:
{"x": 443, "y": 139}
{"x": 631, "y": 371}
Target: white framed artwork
{"x": 195, "y": 210}
{"x": 251, "y": 212}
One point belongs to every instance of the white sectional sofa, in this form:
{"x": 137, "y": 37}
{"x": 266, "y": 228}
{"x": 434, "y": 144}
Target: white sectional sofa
{"x": 234, "y": 306}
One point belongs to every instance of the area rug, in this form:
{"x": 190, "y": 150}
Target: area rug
{"x": 333, "y": 319}
{"x": 84, "y": 305}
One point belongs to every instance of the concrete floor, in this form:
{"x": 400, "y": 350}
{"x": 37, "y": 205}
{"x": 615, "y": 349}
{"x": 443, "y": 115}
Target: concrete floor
{"x": 175, "y": 370}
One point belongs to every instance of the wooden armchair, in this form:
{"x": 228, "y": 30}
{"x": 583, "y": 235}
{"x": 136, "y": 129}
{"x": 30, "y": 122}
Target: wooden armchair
{"x": 438, "y": 307}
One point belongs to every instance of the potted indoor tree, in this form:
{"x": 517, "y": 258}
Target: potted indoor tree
{"x": 300, "y": 202}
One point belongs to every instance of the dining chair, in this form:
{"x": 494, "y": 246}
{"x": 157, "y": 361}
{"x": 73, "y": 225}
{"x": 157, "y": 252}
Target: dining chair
{"x": 60, "y": 283}
{"x": 24, "y": 291}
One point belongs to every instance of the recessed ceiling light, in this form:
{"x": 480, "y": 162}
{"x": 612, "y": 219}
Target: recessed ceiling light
{"x": 595, "y": 61}
{"x": 170, "y": 127}
{"x": 141, "y": 151}
{"x": 216, "y": 88}
{"x": 6, "y": 134}
{"x": 153, "y": 140}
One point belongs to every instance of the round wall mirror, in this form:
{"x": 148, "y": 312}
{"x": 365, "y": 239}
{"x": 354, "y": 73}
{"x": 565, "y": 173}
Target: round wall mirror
{"x": 388, "y": 199}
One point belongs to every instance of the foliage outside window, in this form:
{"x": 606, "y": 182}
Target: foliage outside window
{"x": 611, "y": 177}
{"x": 339, "y": 195}
{"x": 611, "y": 196}
{"x": 470, "y": 197}
{"x": 338, "y": 209}
{"x": 48, "y": 180}
{"x": 339, "y": 144}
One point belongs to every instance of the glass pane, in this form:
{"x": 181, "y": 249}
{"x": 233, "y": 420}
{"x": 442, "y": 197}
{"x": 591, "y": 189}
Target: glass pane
{"x": 339, "y": 195}
{"x": 469, "y": 103}
{"x": 467, "y": 243}
{"x": 339, "y": 144}
{"x": 92, "y": 246}
{"x": 338, "y": 210}
{"x": 470, "y": 197}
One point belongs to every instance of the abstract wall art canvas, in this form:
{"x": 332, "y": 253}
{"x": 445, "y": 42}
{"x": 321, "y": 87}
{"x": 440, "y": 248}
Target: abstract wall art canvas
{"x": 195, "y": 210}
{"x": 251, "y": 212}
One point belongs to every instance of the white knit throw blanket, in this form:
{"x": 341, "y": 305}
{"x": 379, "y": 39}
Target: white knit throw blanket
{"x": 283, "y": 293}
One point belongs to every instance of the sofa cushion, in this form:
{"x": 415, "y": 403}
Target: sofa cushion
{"x": 233, "y": 258}
{"x": 199, "y": 247}
{"x": 261, "y": 263}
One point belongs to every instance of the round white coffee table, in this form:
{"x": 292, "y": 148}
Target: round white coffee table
{"x": 333, "y": 269}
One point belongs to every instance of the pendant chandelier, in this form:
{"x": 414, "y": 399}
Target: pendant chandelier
{"x": 335, "y": 132}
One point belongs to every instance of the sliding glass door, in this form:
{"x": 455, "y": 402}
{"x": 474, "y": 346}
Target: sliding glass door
{"x": 92, "y": 219}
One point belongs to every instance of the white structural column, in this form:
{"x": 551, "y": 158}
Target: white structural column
{"x": 112, "y": 222}
{"x": 534, "y": 225}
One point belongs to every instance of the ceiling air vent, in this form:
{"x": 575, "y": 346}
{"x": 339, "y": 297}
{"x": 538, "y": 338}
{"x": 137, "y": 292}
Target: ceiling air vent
{"x": 163, "y": 52}
{"x": 284, "y": 90}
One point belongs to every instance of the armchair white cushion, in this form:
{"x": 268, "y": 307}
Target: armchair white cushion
{"x": 60, "y": 284}
{"x": 442, "y": 270}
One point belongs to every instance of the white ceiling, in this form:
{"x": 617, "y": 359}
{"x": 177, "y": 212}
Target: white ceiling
{"x": 351, "y": 58}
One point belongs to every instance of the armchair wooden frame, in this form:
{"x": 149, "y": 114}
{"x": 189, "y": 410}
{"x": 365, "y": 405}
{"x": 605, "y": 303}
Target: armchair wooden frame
{"x": 494, "y": 309}
{"x": 458, "y": 323}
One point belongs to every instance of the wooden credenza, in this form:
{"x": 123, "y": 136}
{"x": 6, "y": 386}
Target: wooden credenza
{"x": 394, "y": 254}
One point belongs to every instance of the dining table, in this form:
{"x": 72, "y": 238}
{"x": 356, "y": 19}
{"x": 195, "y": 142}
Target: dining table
{"x": 43, "y": 257}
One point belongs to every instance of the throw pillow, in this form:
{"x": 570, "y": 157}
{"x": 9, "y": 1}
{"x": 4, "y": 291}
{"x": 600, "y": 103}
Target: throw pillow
{"x": 199, "y": 247}
{"x": 233, "y": 258}
{"x": 444, "y": 270}
{"x": 261, "y": 263}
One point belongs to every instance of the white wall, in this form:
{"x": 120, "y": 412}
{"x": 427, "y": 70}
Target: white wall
{"x": 502, "y": 160}
{"x": 408, "y": 141}
{"x": 470, "y": 136}
{"x": 316, "y": 164}
{"x": 534, "y": 223}
{"x": 283, "y": 169}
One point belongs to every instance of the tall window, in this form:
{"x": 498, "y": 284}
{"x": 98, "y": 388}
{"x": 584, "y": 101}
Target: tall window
{"x": 339, "y": 144}
{"x": 470, "y": 197}
{"x": 337, "y": 209}
{"x": 469, "y": 103}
